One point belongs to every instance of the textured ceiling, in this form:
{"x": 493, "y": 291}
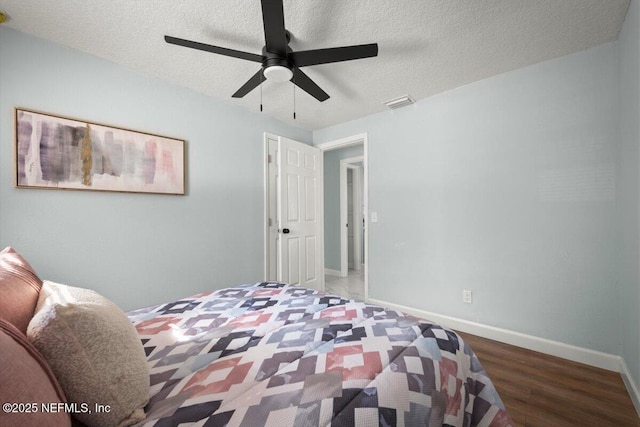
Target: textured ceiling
{"x": 425, "y": 46}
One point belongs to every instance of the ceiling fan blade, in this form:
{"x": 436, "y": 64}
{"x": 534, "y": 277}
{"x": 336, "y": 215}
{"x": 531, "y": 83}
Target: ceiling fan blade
{"x": 303, "y": 81}
{"x": 305, "y": 58}
{"x": 214, "y": 49}
{"x": 250, "y": 85}
{"x": 274, "y": 32}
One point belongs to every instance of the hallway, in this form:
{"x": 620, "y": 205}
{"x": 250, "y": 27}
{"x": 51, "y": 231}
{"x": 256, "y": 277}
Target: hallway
{"x": 351, "y": 286}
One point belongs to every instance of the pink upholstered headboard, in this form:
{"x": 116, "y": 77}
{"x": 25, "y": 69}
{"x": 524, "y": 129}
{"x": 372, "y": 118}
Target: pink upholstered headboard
{"x": 19, "y": 289}
{"x": 25, "y": 375}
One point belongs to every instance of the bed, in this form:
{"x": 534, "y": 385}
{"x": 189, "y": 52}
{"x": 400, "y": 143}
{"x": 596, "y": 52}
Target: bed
{"x": 272, "y": 354}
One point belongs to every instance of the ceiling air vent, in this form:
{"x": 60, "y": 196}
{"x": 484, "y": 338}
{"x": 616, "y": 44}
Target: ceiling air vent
{"x": 399, "y": 102}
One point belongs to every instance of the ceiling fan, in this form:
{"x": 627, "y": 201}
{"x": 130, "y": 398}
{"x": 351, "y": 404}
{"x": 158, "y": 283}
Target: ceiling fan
{"x": 279, "y": 62}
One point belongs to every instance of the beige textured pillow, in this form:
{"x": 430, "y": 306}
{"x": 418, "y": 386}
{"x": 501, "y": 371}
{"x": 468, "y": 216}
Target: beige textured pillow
{"x": 94, "y": 352}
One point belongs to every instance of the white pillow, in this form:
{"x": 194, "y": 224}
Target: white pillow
{"x": 95, "y": 353}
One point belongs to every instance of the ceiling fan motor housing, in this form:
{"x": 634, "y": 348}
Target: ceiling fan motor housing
{"x": 272, "y": 59}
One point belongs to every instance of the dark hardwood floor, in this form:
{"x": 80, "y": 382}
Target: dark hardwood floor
{"x": 542, "y": 390}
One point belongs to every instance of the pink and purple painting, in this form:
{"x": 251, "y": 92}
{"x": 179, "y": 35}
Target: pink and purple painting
{"x": 58, "y": 152}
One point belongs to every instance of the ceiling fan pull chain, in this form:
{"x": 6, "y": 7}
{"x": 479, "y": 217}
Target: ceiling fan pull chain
{"x": 261, "y": 92}
{"x": 294, "y": 97}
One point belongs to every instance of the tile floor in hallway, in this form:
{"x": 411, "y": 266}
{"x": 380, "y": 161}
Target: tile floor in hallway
{"x": 351, "y": 286}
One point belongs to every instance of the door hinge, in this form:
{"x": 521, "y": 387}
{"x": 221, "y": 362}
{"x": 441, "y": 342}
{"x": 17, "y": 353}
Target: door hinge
{"x": 269, "y": 158}
{"x": 270, "y": 222}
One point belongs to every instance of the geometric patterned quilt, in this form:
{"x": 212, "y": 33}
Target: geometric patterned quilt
{"x": 272, "y": 354}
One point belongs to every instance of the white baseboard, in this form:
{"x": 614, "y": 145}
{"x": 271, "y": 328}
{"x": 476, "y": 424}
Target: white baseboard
{"x": 632, "y": 387}
{"x": 332, "y": 272}
{"x": 555, "y": 348}
{"x": 595, "y": 358}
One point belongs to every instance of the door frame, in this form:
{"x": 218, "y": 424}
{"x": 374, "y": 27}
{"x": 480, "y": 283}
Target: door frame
{"x": 361, "y": 138}
{"x": 270, "y": 259}
{"x": 344, "y": 208}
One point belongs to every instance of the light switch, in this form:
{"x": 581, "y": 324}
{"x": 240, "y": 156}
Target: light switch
{"x": 374, "y": 216}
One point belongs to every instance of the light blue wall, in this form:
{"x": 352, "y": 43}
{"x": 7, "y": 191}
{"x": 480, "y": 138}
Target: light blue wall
{"x": 505, "y": 187}
{"x": 522, "y": 187}
{"x": 136, "y": 249}
{"x": 629, "y": 48}
{"x": 332, "y": 202}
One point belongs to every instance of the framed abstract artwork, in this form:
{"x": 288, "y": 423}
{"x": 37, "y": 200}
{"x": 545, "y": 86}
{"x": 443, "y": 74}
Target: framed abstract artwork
{"x": 66, "y": 153}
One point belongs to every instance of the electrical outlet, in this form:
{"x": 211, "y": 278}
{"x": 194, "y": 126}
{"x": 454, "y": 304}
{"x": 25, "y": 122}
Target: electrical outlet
{"x": 467, "y": 296}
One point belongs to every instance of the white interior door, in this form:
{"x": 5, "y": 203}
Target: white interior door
{"x": 300, "y": 204}
{"x": 350, "y": 201}
{"x": 350, "y": 220}
{"x": 356, "y": 207}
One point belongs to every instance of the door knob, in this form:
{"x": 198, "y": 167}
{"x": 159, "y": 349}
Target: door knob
{"x": 285, "y": 231}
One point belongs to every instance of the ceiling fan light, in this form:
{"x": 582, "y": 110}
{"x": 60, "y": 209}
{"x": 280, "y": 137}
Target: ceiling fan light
{"x": 278, "y": 73}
